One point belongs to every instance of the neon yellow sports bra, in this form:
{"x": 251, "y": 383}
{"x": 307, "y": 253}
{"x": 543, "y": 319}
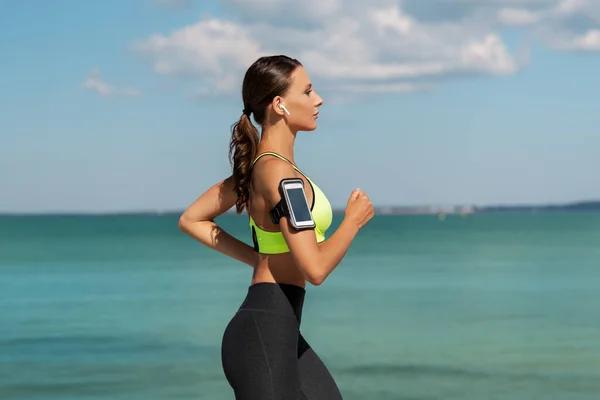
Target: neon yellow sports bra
{"x": 267, "y": 242}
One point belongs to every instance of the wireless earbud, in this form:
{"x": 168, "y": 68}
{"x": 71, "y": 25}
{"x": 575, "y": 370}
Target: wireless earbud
{"x": 284, "y": 109}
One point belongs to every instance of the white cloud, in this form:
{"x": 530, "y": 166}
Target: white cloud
{"x": 393, "y": 18}
{"x": 212, "y": 49}
{"x": 518, "y": 16}
{"x": 587, "y": 42}
{"x": 202, "y": 48}
{"x": 571, "y": 25}
{"x": 380, "y": 45}
{"x": 95, "y": 83}
{"x": 566, "y": 7}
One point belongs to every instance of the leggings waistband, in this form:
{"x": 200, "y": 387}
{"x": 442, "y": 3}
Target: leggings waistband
{"x": 278, "y": 298}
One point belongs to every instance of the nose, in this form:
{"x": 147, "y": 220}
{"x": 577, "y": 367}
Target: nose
{"x": 319, "y": 100}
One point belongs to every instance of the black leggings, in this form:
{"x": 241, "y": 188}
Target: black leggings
{"x": 264, "y": 355}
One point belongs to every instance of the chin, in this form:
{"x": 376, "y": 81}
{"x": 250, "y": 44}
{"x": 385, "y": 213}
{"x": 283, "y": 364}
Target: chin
{"x": 310, "y": 126}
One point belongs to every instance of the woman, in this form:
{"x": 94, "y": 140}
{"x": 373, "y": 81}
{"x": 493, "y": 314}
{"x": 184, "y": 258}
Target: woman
{"x": 264, "y": 355}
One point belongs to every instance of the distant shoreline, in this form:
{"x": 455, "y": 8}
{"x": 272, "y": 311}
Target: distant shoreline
{"x": 582, "y": 206}
{"x": 575, "y": 207}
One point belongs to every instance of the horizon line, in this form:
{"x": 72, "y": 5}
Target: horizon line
{"x": 385, "y": 209}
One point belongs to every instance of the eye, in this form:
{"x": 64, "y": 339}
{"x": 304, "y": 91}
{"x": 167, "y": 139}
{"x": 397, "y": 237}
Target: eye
{"x": 309, "y": 91}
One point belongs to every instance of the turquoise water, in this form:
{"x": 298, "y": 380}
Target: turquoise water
{"x": 482, "y": 307}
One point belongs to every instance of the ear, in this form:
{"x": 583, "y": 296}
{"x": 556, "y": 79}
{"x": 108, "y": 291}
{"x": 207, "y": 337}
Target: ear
{"x": 277, "y": 100}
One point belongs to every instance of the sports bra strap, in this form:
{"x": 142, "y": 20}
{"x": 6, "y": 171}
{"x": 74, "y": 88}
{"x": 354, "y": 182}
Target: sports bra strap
{"x": 270, "y": 153}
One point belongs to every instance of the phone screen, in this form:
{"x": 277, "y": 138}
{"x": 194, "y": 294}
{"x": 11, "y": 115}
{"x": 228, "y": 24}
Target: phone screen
{"x": 299, "y": 205}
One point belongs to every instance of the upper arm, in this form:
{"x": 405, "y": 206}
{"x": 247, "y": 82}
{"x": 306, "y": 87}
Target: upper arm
{"x": 302, "y": 244}
{"x": 215, "y": 201}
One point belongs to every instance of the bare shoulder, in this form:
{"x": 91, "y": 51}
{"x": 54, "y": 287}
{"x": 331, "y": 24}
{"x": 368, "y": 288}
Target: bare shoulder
{"x": 266, "y": 176}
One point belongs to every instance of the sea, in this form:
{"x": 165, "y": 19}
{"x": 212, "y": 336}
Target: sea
{"x": 480, "y": 306}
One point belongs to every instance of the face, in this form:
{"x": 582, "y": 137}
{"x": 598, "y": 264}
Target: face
{"x": 301, "y": 101}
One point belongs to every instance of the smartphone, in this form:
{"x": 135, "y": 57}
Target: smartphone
{"x": 292, "y": 191}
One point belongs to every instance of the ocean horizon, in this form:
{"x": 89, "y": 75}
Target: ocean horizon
{"x": 423, "y": 209}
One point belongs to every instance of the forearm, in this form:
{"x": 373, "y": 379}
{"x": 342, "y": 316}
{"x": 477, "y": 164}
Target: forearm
{"x": 211, "y": 235}
{"x": 333, "y": 250}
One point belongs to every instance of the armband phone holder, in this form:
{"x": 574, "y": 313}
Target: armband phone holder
{"x": 293, "y": 205}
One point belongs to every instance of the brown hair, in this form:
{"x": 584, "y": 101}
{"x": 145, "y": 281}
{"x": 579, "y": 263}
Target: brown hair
{"x": 266, "y": 78}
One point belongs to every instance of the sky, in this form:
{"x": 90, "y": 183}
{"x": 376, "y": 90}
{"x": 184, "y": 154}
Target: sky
{"x": 113, "y": 106}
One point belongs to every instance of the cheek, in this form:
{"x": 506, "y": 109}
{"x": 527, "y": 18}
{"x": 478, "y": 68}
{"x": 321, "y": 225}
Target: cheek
{"x": 308, "y": 104}
{"x": 304, "y": 111}
{"x": 303, "y": 108}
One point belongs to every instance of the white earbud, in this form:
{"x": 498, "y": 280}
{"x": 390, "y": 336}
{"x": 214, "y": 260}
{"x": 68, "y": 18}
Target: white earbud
{"x": 284, "y": 109}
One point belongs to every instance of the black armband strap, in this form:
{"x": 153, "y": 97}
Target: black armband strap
{"x": 280, "y": 210}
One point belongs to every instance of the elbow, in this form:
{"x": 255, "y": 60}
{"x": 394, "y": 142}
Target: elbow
{"x": 183, "y": 223}
{"x": 315, "y": 278}
{"x": 313, "y": 269}
{"x": 189, "y": 225}
{"x": 316, "y": 282}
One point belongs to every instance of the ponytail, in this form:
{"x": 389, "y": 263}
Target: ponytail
{"x": 242, "y": 150}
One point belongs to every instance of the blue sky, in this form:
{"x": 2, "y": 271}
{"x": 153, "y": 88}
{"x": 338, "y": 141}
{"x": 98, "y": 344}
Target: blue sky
{"x": 127, "y": 105}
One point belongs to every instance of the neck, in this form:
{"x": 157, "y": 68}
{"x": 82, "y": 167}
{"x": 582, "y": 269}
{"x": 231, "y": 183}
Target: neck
{"x": 278, "y": 138}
